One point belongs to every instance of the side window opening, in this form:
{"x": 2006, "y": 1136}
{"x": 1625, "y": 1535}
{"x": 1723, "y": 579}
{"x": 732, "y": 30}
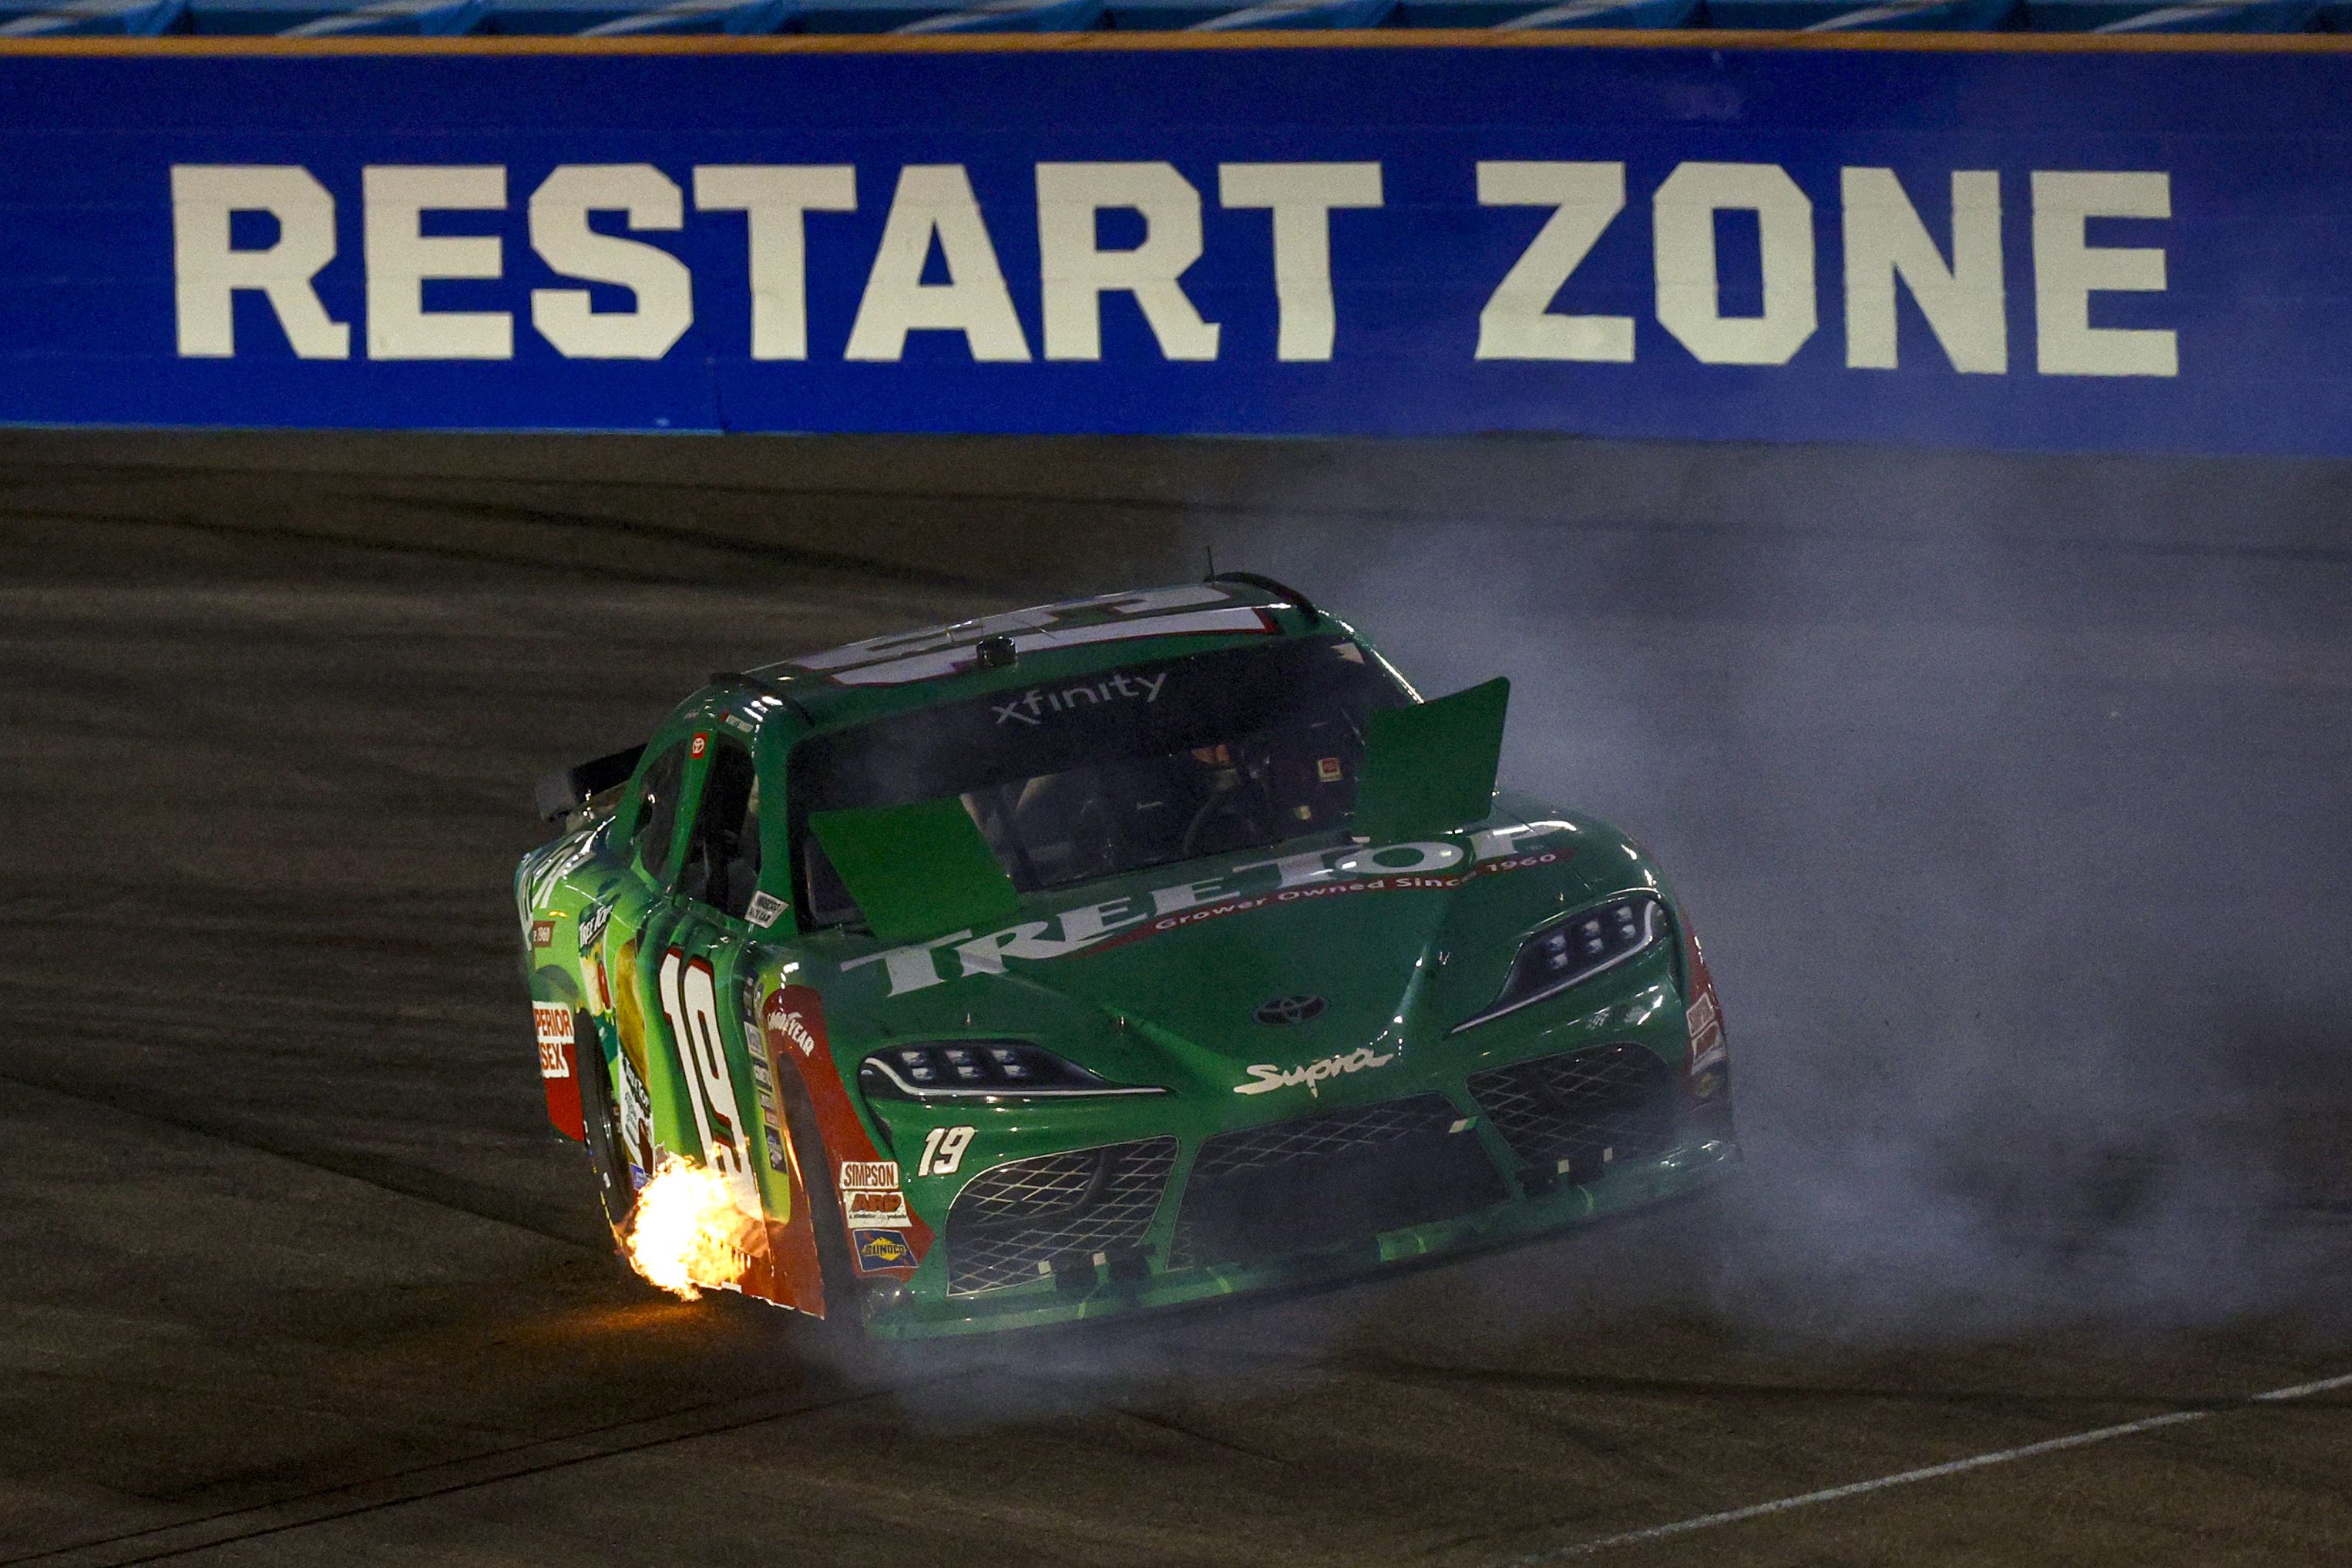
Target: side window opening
{"x": 722, "y": 853}
{"x": 657, "y": 793}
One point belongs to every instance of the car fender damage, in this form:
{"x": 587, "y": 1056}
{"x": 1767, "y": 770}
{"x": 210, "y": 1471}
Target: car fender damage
{"x": 884, "y": 1235}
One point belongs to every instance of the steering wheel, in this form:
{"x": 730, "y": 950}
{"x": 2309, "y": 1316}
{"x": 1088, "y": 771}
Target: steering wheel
{"x": 1232, "y": 803}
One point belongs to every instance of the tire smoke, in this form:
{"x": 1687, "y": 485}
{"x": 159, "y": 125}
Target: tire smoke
{"x": 2015, "y": 855}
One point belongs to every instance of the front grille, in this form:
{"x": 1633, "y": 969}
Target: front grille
{"x": 1576, "y": 1114}
{"x": 1294, "y": 1187}
{"x": 1013, "y": 1223}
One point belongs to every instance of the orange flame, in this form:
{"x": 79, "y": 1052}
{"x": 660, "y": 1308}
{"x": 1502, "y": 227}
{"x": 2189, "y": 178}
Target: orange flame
{"x": 688, "y": 1231}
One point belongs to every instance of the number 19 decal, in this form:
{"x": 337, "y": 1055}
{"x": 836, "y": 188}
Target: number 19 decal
{"x": 943, "y": 1150}
{"x": 689, "y": 1000}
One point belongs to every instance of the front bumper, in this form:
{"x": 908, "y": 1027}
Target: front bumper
{"x": 1101, "y": 1292}
{"x": 1551, "y": 1121}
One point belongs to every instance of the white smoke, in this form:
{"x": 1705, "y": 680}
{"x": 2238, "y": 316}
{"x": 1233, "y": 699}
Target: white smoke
{"x": 2006, "y": 910}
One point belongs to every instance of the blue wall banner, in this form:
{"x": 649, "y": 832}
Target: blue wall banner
{"x": 1976, "y": 241}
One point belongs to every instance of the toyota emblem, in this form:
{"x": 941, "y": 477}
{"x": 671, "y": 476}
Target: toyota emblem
{"x": 1290, "y": 1009}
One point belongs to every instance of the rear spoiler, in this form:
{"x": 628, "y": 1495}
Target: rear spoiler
{"x": 558, "y": 794}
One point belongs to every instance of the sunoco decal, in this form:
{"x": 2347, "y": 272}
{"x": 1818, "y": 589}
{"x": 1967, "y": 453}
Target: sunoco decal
{"x": 1416, "y": 866}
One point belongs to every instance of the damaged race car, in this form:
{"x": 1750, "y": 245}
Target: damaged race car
{"x": 1114, "y": 954}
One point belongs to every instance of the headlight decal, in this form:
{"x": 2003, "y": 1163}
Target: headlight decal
{"x": 979, "y": 1068}
{"x": 1570, "y": 951}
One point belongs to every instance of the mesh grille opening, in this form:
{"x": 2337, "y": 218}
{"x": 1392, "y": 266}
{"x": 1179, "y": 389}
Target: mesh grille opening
{"x": 1319, "y": 1181}
{"x": 1013, "y": 1223}
{"x": 1585, "y": 1108}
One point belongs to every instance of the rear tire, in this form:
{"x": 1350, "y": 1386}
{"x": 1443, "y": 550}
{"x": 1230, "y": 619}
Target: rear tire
{"x": 615, "y": 1194}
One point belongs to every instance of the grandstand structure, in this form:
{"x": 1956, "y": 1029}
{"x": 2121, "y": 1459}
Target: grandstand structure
{"x": 627, "y": 18}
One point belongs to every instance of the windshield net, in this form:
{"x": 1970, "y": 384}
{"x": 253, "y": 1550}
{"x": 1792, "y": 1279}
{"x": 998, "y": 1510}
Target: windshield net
{"x": 1115, "y": 771}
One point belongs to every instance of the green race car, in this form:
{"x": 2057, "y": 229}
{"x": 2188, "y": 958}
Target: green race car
{"x": 1118, "y": 953}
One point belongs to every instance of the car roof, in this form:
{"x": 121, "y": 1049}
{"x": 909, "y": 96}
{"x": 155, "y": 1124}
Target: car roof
{"x": 930, "y": 664}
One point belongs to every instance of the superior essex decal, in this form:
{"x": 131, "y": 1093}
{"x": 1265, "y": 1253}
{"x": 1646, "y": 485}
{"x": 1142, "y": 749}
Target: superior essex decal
{"x": 1416, "y": 865}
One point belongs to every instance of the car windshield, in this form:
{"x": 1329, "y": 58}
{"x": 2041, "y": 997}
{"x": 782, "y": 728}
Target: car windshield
{"x": 1114, "y": 771}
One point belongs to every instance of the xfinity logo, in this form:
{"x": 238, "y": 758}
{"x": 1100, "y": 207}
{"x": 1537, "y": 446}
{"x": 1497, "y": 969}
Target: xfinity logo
{"x": 1265, "y": 1077}
{"x": 1030, "y": 706}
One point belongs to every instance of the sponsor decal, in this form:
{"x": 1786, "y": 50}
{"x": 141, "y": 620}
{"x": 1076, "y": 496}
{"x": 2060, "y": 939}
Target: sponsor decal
{"x": 636, "y": 1122}
{"x": 781, "y": 1017}
{"x": 885, "y": 1209}
{"x": 543, "y": 933}
{"x": 1702, "y": 1018}
{"x": 1032, "y": 706}
{"x": 1418, "y": 866}
{"x": 553, "y": 1021}
{"x": 869, "y": 1175}
{"x": 701, "y": 744}
{"x": 1265, "y": 1077}
{"x": 878, "y": 1250}
{"x": 762, "y": 910}
{"x": 592, "y": 922}
{"x": 736, "y": 721}
{"x": 1327, "y": 769}
{"x": 763, "y": 1089}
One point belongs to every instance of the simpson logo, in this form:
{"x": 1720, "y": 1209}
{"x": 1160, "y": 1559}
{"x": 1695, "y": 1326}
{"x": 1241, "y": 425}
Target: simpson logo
{"x": 763, "y": 909}
{"x": 886, "y": 1209}
{"x": 553, "y": 1021}
{"x": 869, "y": 1175}
{"x": 543, "y": 933}
{"x": 1265, "y": 1077}
{"x": 879, "y": 1250}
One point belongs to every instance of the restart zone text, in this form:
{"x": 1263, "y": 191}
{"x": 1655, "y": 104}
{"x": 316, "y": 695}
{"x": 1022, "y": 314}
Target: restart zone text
{"x": 1118, "y": 953}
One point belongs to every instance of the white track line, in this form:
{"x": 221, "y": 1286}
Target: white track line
{"x": 1931, "y": 1472}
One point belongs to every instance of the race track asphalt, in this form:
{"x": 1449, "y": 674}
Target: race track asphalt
{"x": 2010, "y": 796}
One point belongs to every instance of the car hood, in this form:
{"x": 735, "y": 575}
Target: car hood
{"x": 1169, "y": 970}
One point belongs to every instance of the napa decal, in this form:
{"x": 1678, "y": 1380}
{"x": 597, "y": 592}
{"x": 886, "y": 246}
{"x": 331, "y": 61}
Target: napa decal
{"x": 1416, "y": 866}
